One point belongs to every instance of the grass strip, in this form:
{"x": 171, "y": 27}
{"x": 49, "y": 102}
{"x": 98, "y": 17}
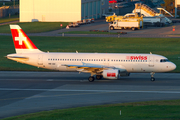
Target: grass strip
{"x": 168, "y": 47}
{"x": 153, "y": 110}
{"x": 7, "y": 19}
{"x": 35, "y": 27}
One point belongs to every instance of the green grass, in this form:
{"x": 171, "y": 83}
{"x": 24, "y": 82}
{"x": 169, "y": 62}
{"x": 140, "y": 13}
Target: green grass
{"x": 168, "y": 47}
{"x": 89, "y": 32}
{"x": 161, "y": 110}
{"x": 7, "y": 19}
{"x": 35, "y": 27}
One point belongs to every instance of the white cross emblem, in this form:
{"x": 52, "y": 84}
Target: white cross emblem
{"x": 21, "y": 38}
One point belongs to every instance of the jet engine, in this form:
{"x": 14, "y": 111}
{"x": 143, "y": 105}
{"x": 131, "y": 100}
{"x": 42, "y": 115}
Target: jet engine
{"x": 111, "y": 74}
{"x": 124, "y": 74}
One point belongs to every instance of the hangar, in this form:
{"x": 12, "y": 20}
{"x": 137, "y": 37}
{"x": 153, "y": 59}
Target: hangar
{"x": 61, "y": 10}
{"x": 177, "y": 7}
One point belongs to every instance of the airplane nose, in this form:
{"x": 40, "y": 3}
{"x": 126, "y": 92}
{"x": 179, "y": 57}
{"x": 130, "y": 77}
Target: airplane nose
{"x": 173, "y": 66}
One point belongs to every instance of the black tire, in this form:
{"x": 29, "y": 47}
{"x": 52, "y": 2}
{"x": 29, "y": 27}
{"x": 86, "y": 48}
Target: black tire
{"x": 111, "y": 28}
{"x": 133, "y": 28}
{"x": 152, "y": 79}
{"x": 98, "y": 77}
{"x": 91, "y": 79}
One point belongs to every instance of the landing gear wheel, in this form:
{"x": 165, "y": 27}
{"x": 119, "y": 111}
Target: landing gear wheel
{"x": 98, "y": 77}
{"x": 152, "y": 76}
{"x": 111, "y": 28}
{"x": 91, "y": 79}
{"x": 152, "y": 79}
{"x": 133, "y": 28}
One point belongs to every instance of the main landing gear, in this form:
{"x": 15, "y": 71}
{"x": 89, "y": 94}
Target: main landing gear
{"x": 98, "y": 77}
{"x": 152, "y": 76}
{"x": 91, "y": 78}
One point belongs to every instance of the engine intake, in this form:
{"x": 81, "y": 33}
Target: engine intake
{"x": 111, "y": 74}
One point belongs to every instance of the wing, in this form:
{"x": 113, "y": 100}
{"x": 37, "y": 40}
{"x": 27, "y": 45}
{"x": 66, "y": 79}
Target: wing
{"x": 90, "y": 68}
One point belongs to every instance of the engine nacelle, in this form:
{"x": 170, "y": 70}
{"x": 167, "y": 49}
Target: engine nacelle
{"x": 111, "y": 74}
{"x": 125, "y": 74}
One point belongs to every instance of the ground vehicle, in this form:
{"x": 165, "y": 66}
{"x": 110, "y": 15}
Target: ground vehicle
{"x": 111, "y": 18}
{"x": 127, "y": 16}
{"x": 73, "y": 24}
{"x": 146, "y": 19}
{"x": 112, "y": 1}
{"x": 149, "y": 12}
{"x": 108, "y": 14}
{"x": 126, "y": 24}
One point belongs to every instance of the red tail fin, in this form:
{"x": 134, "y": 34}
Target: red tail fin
{"x": 22, "y": 42}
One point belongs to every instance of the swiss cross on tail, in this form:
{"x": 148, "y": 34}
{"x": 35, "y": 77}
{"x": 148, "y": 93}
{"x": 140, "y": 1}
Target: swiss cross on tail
{"x": 22, "y": 42}
{"x": 21, "y": 38}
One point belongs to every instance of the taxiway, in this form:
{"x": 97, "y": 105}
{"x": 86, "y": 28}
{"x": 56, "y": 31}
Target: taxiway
{"x": 29, "y": 92}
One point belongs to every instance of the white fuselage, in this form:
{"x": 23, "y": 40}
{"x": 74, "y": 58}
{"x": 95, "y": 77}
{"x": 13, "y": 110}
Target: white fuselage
{"x": 124, "y": 62}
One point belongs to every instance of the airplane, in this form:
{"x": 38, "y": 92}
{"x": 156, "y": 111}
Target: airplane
{"x": 101, "y": 65}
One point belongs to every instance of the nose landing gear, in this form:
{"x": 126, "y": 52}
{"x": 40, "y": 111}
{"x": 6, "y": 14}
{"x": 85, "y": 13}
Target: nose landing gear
{"x": 152, "y": 76}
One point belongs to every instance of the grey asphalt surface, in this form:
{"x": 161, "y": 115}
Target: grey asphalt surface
{"x": 29, "y": 92}
{"x": 11, "y": 22}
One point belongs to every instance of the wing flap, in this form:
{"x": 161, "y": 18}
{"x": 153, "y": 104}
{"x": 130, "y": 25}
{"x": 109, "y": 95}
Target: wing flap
{"x": 86, "y": 67}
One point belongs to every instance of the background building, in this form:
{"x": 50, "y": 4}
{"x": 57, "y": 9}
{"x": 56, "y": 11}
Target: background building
{"x": 61, "y": 10}
{"x": 177, "y": 7}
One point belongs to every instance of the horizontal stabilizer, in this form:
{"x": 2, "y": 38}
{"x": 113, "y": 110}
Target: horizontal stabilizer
{"x": 17, "y": 57}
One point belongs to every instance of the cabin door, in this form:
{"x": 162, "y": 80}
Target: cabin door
{"x": 151, "y": 61}
{"x": 40, "y": 59}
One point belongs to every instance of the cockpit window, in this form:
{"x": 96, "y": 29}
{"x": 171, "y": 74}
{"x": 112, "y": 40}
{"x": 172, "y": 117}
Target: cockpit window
{"x": 164, "y": 60}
